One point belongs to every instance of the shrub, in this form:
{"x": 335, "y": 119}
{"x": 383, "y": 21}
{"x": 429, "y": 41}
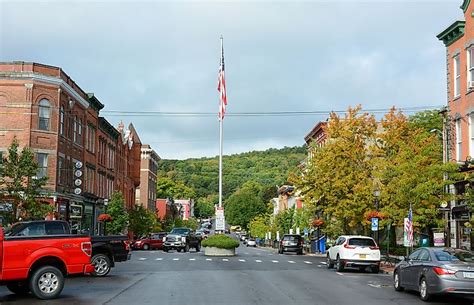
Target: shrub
{"x": 220, "y": 241}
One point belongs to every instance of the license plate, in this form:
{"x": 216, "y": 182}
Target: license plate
{"x": 172, "y": 244}
{"x": 362, "y": 255}
{"x": 468, "y": 275}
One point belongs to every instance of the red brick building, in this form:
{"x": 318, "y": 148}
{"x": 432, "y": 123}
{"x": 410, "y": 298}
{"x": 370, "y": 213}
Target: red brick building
{"x": 146, "y": 192}
{"x": 44, "y": 109}
{"x": 459, "y": 128}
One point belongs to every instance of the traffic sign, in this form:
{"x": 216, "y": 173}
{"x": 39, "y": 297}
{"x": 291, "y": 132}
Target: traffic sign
{"x": 375, "y": 224}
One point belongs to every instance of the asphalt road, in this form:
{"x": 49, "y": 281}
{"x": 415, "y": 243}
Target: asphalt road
{"x": 254, "y": 276}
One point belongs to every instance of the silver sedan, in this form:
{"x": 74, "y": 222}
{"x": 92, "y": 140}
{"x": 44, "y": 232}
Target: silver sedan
{"x": 434, "y": 271}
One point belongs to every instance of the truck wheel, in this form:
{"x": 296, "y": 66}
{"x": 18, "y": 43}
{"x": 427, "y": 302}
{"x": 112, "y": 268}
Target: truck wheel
{"x": 46, "y": 282}
{"x": 146, "y": 247}
{"x": 20, "y": 287}
{"x": 198, "y": 247}
{"x": 101, "y": 264}
{"x": 186, "y": 248}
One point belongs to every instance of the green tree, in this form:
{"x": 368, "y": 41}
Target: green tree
{"x": 20, "y": 186}
{"x": 259, "y": 226}
{"x": 141, "y": 221}
{"x": 245, "y": 204}
{"x": 204, "y": 207}
{"x": 168, "y": 188}
{"x": 120, "y": 217}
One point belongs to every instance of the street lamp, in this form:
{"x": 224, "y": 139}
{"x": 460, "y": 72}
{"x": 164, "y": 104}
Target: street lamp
{"x": 106, "y": 203}
{"x": 377, "y": 194}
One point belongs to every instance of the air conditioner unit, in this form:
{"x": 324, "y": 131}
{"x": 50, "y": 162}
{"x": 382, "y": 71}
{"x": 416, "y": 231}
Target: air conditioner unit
{"x": 471, "y": 84}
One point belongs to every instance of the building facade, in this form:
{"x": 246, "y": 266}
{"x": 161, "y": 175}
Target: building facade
{"x": 459, "y": 117}
{"x": 146, "y": 192}
{"x": 80, "y": 152}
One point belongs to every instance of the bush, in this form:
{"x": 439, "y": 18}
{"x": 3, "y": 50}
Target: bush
{"x": 220, "y": 241}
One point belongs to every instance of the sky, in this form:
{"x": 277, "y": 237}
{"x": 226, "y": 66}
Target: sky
{"x": 163, "y": 56}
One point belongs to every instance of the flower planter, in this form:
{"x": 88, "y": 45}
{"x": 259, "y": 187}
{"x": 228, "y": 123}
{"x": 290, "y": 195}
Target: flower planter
{"x": 213, "y": 251}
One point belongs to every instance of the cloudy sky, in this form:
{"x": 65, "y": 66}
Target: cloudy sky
{"x": 289, "y": 55}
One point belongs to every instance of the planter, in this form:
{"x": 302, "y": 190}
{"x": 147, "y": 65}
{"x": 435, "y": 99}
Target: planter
{"x": 213, "y": 251}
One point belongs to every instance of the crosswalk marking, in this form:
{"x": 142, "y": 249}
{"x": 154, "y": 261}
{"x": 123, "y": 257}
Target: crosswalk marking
{"x": 176, "y": 259}
{"x": 225, "y": 260}
{"x": 192, "y": 259}
{"x": 241, "y": 260}
{"x": 158, "y": 259}
{"x": 142, "y": 258}
{"x": 324, "y": 263}
{"x": 274, "y": 261}
{"x": 208, "y": 259}
{"x": 258, "y": 261}
{"x": 306, "y": 262}
{"x": 291, "y": 262}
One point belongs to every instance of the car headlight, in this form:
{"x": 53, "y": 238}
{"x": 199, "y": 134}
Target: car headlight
{"x": 164, "y": 238}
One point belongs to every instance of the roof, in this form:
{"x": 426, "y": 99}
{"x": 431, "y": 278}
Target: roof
{"x": 452, "y": 33}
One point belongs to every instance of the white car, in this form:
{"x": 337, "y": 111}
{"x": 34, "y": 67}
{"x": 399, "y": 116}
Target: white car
{"x": 354, "y": 251}
{"x": 251, "y": 242}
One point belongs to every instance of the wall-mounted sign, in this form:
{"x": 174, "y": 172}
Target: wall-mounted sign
{"x": 77, "y": 191}
{"x": 78, "y": 164}
{"x": 78, "y": 182}
{"x": 78, "y": 173}
{"x": 75, "y": 211}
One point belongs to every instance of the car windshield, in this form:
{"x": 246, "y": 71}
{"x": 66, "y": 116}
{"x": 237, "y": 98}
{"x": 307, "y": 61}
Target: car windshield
{"x": 445, "y": 256}
{"x": 361, "y": 242}
{"x": 180, "y": 231}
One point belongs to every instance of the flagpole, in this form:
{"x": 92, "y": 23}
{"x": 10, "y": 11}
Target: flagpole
{"x": 221, "y": 121}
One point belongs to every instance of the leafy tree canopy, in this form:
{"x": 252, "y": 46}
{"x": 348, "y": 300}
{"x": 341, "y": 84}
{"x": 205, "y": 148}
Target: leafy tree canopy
{"x": 120, "y": 217}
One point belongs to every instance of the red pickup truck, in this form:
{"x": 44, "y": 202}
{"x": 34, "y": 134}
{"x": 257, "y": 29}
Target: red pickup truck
{"x": 40, "y": 263}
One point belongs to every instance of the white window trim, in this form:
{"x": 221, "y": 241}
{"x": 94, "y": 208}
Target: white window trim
{"x": 456, "y": 75}
{"x": 458, "y": 140}
{"x": 469, "y": 67}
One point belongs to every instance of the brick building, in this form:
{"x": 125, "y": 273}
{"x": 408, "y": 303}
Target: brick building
{"x": 44, "y": 109}
{"x": 146, "y": 192}
{"x": 459, "y": 119}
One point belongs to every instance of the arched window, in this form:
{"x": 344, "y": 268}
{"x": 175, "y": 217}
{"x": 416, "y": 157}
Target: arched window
{"x": 44, "y": 115}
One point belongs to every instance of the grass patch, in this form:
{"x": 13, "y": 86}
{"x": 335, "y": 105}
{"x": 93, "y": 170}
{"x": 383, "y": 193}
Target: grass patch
{"x": 220, "y": 241}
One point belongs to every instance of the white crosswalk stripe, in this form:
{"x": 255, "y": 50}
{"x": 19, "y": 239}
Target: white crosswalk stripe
{"x": 225, "y": 260}
{"x": 324, "y": 263}
{"x": 241, "y": 260}
{"x": 274, "y": 261}
{"x": 176, "y": 259}
{"x": 309, "y": 263}
{"x": 142, "y": 259}
{"x": 208, "y": 259}
{"x": 258, "y": 261}
{"x": 192, "y": 259}
{"x": 291, "y": 262}
{"x": 158, "y": 259}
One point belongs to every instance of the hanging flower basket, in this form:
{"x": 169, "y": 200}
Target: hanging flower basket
{"x": 318, "y": 222}
{"x": 373, "y": 214}
{"x": 104, "y": 218}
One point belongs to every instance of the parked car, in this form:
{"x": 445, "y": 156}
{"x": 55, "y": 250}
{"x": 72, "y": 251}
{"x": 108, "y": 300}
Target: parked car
{"x": 152, "y": 241}
{"x": 35, "y": 257}
{"x": 291, "y": 243}
{"x": 243, "y": 237}
{"x": 435, "y": 271}
{"x": 251, "y": 242}
{"x": 354, "y": 251}
{"x": 106, "y": 250}
{"x": 181, "y": 239}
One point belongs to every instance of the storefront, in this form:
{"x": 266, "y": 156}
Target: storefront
{"x": 464, "y": 239}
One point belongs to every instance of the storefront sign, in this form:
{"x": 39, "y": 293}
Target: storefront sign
{"x": 75, "y": 211}
{"x": 438, "y": 239}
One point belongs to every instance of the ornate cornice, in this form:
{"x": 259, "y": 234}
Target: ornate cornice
{"x": 465, "y": 5}
{"x": 452, "y": 33}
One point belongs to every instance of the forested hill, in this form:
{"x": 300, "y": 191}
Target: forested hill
{"x": 269, "y": 167}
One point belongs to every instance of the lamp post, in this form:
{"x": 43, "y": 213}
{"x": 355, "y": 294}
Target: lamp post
{"x": 106, "y": 203}
{"x": 377, "y": 194}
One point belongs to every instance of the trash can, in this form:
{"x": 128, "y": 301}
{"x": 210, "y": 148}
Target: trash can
{"x": 322, "y": 245}
{"x": 314, "y": 246}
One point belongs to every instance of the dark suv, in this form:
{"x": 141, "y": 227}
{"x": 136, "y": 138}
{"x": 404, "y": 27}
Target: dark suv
{"x": 291, "y": 243}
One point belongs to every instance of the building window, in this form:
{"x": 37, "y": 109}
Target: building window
{"x": 90, "y": 179}
{"x": 457, "y": 76}
{"x": 471, "y": 135}
{"x": 61, "y": 121}
{"x": 458, "y": 140}
{"x": 90, "y": 139}
{"x": 60, "y": 170}
{"x": 42, "y": 164}
{"x": 470, "y": 68}
{"x": 44, "y": 115}
{"x": 79, "y": 132}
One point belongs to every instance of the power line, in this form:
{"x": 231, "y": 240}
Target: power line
{"x": 258, "y": 114}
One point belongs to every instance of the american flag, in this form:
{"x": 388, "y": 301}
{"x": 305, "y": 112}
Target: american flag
{"x": 409, "y": 227}
{"x": 221, "y": 87}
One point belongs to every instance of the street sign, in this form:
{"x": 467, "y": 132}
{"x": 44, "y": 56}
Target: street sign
{"x": 220, "y": 219}
{"x": 375, "y": 224}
